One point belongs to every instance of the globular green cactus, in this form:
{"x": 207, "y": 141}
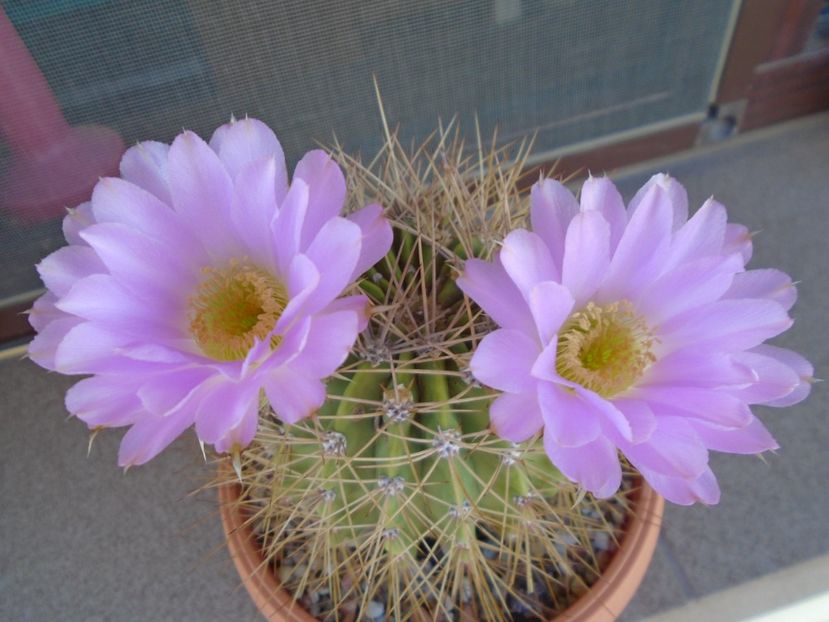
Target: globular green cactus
{"x": 396, "y": 501}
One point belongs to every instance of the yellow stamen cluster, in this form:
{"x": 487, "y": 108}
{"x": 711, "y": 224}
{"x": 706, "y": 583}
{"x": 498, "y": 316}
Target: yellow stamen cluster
{"x": 605, "y": 349}
{"x": 232, "y": 307}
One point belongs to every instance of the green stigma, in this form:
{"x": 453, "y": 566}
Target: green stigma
{"x": 234, "y": 306}
{"x": 605, "y": 349}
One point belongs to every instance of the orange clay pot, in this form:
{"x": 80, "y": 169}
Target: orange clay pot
{"x": 604, "y": 602}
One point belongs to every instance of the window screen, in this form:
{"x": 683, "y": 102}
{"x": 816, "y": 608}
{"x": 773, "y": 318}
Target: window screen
{"x": 567, "y": 69}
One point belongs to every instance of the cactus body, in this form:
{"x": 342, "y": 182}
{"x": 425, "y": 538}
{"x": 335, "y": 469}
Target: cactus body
{"x": 396, "y": 492}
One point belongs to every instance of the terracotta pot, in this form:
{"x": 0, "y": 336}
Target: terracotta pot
{"x": 604, "y": 602}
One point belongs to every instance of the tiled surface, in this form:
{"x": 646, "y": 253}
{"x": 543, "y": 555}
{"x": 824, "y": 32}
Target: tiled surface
{"x": 81, "y": 541}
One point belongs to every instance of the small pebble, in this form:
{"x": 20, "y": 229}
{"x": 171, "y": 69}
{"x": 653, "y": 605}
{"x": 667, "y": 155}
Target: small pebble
{"x": 284, "y": 573}
{"x": 601, "y": 540}
{"x": 466, "y": 590}
{"x": 375, "y": 610}
{"x": 567, "y": 539}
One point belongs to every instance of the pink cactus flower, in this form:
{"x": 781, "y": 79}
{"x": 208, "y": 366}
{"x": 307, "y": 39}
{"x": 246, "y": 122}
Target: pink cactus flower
{"x": 201, "y": 281}
{"x": 635, "y": 330}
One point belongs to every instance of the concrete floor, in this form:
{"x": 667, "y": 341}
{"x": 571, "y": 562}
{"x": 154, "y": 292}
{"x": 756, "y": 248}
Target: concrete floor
{"x": 773, "y": 513}
{"x": 82, "y": 541}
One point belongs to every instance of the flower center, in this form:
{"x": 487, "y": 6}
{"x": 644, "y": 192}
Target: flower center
{"x": 234, "y": 306}
{"x": 605, "y": 349}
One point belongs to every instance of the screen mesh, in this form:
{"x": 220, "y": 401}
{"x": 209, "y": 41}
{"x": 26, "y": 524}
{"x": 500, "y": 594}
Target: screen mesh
{"x": 568, "y": 69}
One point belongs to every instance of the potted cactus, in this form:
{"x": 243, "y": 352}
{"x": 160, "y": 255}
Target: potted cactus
{"x": 397, "y": 499}
{"x": 425, "y": 410}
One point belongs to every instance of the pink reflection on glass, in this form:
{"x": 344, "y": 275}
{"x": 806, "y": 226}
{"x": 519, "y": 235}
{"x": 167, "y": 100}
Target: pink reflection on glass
{"x": 53, "y": 165}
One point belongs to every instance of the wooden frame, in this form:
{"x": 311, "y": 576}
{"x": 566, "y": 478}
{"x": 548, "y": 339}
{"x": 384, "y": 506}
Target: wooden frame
{"x": 767, "y": 73}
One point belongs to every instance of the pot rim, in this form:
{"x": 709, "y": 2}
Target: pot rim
{"x": 603, "y": 602}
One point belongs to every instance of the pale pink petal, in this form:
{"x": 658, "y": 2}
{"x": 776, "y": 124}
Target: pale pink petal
{"x": 330, "y": 339}
{"x": 503, "y": 360}
{"x": 334, "y": 251}
{"x": 594, "y": 466}
{"x": 327, "y": 191}
{"x": 516, "y": 417}
{"x": 44, "y": 347}
{"x": 544, "y": 367}
{"x": 202, "y": 193}
{"x": 118, "y": 201}
{"x": 754, "y": 438}
{"x": 488, "y": 284}
{"x": 163, "y": 356}
{"x": 222, "y": 406}
{"x": 75, "y": 221}
{"x": 612, "y": 420}
{"x": 552, "y": 207}
{"x": 677, "y": 196}
{"x": 599, "y": 194}
{"x": 113, "y": 414}
{"x": 163, "y": 394}
{"x": 640, "y": 256}
{"x": 377, "y": 237}
{"x": 359, "y": 305}
{"x": 708, "y": 404}
{"x": 44, "y": 311}
{"x": 673, "y": 449}
{"x": 140, "y": 263}
{"x": 527, "y": 260}
{"x": 639, "y": 416}
{"x": 738, "y": 240}
{"x": 302, "y": 282}
{"x": 145, "y": 165}
{"x": 292, "y": 394}
{"x": 685, "y": 492}
{"x": 706, "y": 488}
{"x": 261, "y": 357}
{"x": 87, "y": 348}
{"x": 688, "y": 286}
{"x": 102, "y": 299}
{"x": 774, "y": 379}
{"x": 697, "y": 368}
{"x": 550, "y": 304}
{"x": 243, "y": 142}
{"x": 569, "y": 418}
{"x": 150, "y": 435}
{"x": 772, "y": 284}
{"x": 730, "y": 325}
{"x": 701, "y": 236}
{"x": 255, "y": 209}
{"x": 241, "y": 435}
{"x": 586, "y": 255}
{"x": 287, "y": 228}
{"x": 797, "y": 363}
{"x": 105, "y": 401}
{"x": 63, "y": 268}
